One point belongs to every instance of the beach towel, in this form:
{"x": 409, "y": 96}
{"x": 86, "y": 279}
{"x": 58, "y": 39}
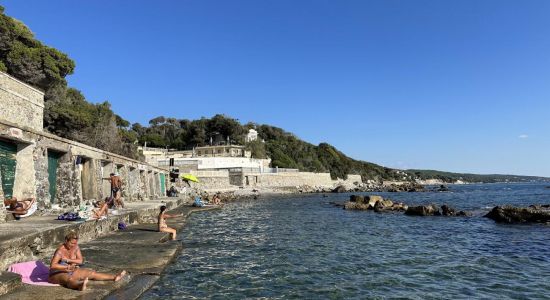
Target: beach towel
{"x": 32, "y": 272}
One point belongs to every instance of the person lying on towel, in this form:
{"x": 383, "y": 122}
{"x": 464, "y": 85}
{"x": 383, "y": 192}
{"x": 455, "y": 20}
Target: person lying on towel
{"x": 19, "y": 207}
{"x": 65, "y": 270}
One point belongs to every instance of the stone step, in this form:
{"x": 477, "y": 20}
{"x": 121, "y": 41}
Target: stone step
{"x": 8, "y": 282}
{"x": 35, "y": 238}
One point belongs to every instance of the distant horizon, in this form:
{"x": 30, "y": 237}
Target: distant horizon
{"x": 458, "y": 87}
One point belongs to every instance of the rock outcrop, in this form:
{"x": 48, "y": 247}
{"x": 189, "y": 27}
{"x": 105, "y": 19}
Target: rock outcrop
{"x": 511, "y": 214}
{"x": 433, "y": 210}
{"x": 373, "y": 202}
{"x": 379, "y": 204}
{"x": 407, "y": 187}
{"x": 423, "y": 210}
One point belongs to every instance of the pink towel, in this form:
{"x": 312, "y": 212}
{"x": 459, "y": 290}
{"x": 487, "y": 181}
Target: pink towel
{"x": 32, "y": 272}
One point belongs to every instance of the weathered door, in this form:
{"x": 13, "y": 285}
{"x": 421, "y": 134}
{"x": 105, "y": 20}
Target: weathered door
{"x": 8, "y": 161}
{"x": 53, "y": 163}
{"x": 89, "y": 190}
{"x": 162, "y": 185}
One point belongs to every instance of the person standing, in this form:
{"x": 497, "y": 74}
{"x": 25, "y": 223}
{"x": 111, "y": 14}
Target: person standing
{"x": 116, "y": 185}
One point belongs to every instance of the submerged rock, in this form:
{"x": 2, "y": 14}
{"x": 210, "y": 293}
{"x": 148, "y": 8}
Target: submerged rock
{"x": 511, "y": 214}
{"x": 443, "y": 188}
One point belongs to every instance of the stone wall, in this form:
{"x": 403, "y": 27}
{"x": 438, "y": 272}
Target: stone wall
{"x": 81, "y": 170}
{"x": 283, "y": 179}
{"x": 76, "y": 183}
{"x": 20, "y": 103}
{"x": 212, "y": 179}
{"x": 287, "y": 179}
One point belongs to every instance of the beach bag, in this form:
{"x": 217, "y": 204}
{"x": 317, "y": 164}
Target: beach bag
{"x": 122, "y": 226}
{"x": 68, "y": 216}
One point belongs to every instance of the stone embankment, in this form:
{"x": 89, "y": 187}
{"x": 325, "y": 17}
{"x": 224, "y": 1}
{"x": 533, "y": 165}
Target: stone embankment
{"x": 139, "y": 249}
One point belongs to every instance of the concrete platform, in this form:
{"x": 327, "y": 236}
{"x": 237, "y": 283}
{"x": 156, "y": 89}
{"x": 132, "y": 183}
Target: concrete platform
{"x": 140, "y": 249}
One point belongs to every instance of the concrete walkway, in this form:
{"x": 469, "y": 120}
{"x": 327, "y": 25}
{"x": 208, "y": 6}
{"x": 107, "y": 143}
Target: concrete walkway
{"x": 140, "y": 250}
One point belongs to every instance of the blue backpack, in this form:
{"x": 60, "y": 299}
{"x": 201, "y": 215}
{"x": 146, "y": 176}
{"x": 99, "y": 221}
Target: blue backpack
{"x": 198, "y": 202}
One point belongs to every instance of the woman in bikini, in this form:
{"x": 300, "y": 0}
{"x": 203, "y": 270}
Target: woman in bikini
{"x": 163, "y": 227}
{"x": 19, "y": 207}
{"x": 64, "y": 267}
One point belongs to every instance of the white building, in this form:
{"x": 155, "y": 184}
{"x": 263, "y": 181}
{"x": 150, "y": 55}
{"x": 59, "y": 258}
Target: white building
{"x": 205, "y": 158}
{"x": 252, "y": 135}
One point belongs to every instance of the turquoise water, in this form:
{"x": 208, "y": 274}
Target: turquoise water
{"x": 302, "y": 247}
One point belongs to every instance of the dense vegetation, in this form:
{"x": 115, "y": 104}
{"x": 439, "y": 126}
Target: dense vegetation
{"x": 67, "y": 113}
{"x": 285, "y": 149}
{"x": 490, "y": 178}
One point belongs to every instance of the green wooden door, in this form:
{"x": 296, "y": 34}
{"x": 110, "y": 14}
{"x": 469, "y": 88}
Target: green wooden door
{"x": 53, "y": 163}
{"x": 162, "y": 185}
{"x": 8, "y": 153}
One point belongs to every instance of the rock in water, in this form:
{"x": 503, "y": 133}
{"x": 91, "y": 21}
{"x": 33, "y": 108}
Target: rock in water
{"x": 511, "y": 214}
{"x": 443, "y": 188}
{"x": 372, "y": 199}
{"x": 355, "y": 206}
{"x": 423, "y": 210}
{"x": 448, "y": 211}
{"x": 357, "y": 198}
{"x": 339, "y": 189}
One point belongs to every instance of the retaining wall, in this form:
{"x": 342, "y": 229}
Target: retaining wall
{"x": 20, "y": 103}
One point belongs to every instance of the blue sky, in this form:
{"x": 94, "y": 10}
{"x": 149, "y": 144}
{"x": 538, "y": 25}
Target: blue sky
{"x": 458, "y": 86}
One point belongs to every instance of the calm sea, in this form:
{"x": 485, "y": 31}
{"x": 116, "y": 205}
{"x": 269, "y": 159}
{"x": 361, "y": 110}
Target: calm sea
{"x": 302, "y": 247}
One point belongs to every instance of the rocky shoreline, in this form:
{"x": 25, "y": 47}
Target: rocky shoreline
{"x": 539, "y": 213}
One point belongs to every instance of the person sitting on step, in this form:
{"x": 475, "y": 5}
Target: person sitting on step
{"x": 65, "y": 266}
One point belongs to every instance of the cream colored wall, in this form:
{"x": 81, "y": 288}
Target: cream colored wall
{"x": 20, "y": 103}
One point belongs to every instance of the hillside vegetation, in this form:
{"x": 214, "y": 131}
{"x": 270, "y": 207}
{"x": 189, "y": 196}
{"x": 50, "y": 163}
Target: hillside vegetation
{"x": 472, "y": 178}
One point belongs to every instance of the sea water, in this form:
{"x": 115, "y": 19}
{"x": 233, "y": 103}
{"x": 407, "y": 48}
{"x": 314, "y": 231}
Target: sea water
{"x": 302, "y": 247}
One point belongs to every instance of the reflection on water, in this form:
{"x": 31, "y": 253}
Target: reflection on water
{"x": 303, "y": 247}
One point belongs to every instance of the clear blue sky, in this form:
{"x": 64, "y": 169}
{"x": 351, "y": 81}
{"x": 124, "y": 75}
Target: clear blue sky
{"x": 450, "y": 85}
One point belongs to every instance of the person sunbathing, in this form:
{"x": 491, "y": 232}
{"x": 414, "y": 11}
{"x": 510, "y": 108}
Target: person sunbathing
{"x": 103, "y": 209}
{"x": 19, "y": 207}
{"x": 65, "y": 267}
{"x": 216, "y": 200}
